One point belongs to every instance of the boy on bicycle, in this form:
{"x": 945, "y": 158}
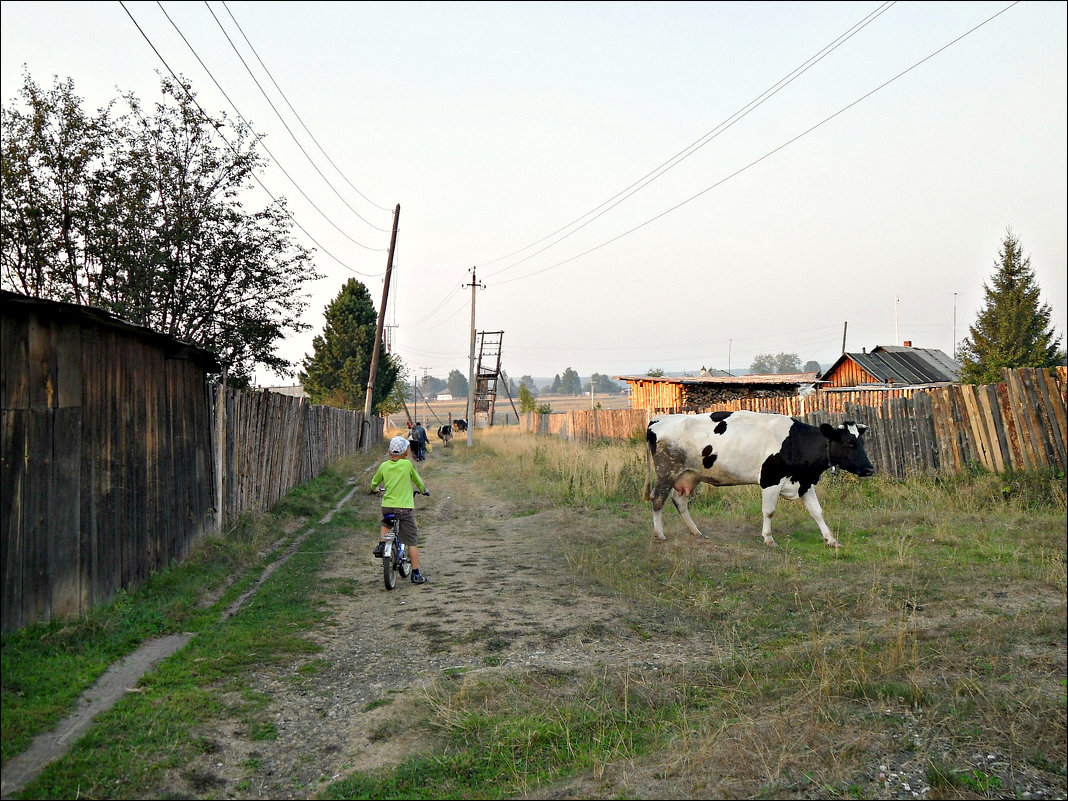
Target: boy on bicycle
{"x": 398, "y": 474}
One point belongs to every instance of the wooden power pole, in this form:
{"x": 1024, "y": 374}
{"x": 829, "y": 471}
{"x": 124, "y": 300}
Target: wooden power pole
{"x": 381, "y": 317}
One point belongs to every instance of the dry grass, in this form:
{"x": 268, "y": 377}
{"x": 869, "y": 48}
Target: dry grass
{"x": 936, "y": 635}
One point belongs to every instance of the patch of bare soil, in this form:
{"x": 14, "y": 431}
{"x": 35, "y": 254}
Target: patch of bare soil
{"x": 499, "y": 598}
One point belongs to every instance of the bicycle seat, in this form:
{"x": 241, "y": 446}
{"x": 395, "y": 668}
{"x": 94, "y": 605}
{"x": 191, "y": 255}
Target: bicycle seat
{"x": 388, "y": 518}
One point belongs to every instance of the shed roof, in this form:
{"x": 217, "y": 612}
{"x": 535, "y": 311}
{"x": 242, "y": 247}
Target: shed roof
{"x": 791, "y": 379}
{"x": 905, "y": 365}
{"x": 173, "y": 348}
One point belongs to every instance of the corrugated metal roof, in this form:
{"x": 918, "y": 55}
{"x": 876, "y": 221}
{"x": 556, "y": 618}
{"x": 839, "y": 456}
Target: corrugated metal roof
{"x": 907, "y": 365}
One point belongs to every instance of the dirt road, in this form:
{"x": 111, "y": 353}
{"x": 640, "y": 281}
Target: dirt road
{"x": 499, "y": 596}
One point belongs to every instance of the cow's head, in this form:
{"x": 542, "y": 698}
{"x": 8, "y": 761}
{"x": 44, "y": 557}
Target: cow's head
{"x": 845, "y": 447}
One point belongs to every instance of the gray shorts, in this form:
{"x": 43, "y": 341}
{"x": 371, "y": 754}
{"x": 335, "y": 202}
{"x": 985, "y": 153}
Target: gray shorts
{"x": 409, "y": 534}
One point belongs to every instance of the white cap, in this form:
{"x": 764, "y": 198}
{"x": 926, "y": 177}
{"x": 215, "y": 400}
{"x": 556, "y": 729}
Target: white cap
{"x": 398, "y": 445}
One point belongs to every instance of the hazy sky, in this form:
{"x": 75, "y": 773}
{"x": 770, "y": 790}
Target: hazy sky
{"x": 852, "y": 167}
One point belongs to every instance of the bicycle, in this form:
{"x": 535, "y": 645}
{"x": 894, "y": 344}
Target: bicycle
{"x": 394, "y": 553}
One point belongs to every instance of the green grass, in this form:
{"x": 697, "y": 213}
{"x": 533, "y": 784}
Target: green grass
{"x": 46, "y": 667}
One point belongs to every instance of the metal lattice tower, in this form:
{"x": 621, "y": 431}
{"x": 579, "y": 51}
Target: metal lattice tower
{"x": 488, "y": 371}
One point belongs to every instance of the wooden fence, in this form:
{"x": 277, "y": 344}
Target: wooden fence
{"x": 274, "y": 442}
{"x": 1016, "y": 425}
{"x": 117, "y": 455}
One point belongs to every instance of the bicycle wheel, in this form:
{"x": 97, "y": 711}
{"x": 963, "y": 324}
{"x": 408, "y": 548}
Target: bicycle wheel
{"x": 405, "y": 565}
{"x": 389, "y": 576}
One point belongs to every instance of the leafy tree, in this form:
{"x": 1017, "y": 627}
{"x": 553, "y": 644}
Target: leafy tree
{"x": 432, "y": 385}
{"x": 140, "y": 213}
{"x": 554, "y": 387}
{"x": 457, "y": 384}
{"x": 528, "y": 382}
{"x": 570, "y": 383}
{"x": 604, "y": 384}
{"x": 1013, "y": 329}
{"x": 811, "y": 366}
{"x": 775, "y": 364}
{"x": 336, "y": 373}
{"x": 527, "y": 401}
{"x": 655, "y": 372}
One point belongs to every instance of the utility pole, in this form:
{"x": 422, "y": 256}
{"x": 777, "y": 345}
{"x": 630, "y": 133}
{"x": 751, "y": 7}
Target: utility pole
{"x": 845, "y": 325}
{"x": 954, "y": 353}
{"x": 897, "y": 329}
{"x": 381, "y": 318}
{"x": 471, "y": 363}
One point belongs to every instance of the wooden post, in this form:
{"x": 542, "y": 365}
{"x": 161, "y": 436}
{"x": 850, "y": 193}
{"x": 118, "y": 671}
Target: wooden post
{"x": 381, "y": 316}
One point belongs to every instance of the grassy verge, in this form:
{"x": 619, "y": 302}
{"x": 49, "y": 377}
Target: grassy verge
{"x": 47, "y": 667}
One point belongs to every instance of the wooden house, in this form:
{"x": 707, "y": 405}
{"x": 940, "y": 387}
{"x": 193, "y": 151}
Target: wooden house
{"x": 891, "y": 367}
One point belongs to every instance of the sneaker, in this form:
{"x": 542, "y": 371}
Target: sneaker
{"x": 379, "y": 549}
{"x": 418, "y": 578}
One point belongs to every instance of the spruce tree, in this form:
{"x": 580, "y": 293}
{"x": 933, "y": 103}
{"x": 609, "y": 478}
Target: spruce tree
{"x": 1013, "y": 329}
{"x": 336, "y": 373}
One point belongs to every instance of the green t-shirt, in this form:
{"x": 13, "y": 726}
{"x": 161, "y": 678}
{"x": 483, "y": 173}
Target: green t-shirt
{"x": 398, "y": 476}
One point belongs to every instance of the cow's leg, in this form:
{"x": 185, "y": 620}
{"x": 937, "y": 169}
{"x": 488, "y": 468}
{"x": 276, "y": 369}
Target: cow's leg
{"x": 816, "y": 511}
{"x": 660, "y": 495}
{"x": 769, "y": 500}
{"x": 682, "y": 503}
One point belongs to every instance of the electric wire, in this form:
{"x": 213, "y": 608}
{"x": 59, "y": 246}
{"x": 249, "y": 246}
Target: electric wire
{"x": 277, "y": 162}
{"x": 688, "y": 151}
{"x": 282, "y": 120}
{"x": 295, "y": 114}
{"x": 767, "y": 155}
{"x": 228, "y": 144}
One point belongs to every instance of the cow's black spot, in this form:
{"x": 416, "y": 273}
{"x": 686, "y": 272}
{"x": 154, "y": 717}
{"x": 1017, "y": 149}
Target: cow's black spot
{"x": 650, "y": 438}
{"x": 721, "y": 426}
{"x": 719, "y": 417}
{"x": 707, "y": 457}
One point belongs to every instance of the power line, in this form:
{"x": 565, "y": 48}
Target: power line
{"x": 295, "y": 114}
{"x": 688, "y": 151}
{"x": 192, "y": 98}
{"x": 277, "y": 162}
{"x": 770, "y": 153}
{"x": 280, "y": 118}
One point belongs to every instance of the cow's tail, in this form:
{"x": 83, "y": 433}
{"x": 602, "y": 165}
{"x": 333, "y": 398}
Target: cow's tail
{"x": 647, "y": 488}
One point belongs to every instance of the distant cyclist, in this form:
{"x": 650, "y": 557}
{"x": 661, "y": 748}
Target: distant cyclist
{"x": 398, "y": 474}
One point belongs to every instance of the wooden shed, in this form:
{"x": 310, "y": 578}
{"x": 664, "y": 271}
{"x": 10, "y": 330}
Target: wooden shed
{"x": 106, "y": 455}
{"x": 889, "y": 366}
{"x": 692, "y": 393}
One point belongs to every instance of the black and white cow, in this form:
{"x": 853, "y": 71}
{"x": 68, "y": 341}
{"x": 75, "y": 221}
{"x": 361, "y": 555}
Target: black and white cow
{"x": 445, "y": 434}
{"x": 783, "y": 455}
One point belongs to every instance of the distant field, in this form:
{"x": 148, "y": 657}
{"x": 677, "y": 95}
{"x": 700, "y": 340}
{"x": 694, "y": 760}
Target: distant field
{"x": 437, "y": 413}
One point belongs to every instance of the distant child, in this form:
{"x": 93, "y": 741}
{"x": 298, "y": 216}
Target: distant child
{"x": 398, "y": 474}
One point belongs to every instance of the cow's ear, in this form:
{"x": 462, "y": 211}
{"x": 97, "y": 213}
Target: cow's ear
{"x": 830, "y": 432}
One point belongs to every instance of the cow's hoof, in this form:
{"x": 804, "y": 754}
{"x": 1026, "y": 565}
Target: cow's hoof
{"x": 837, "y": 546}
{"x": 770, "y": 542}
